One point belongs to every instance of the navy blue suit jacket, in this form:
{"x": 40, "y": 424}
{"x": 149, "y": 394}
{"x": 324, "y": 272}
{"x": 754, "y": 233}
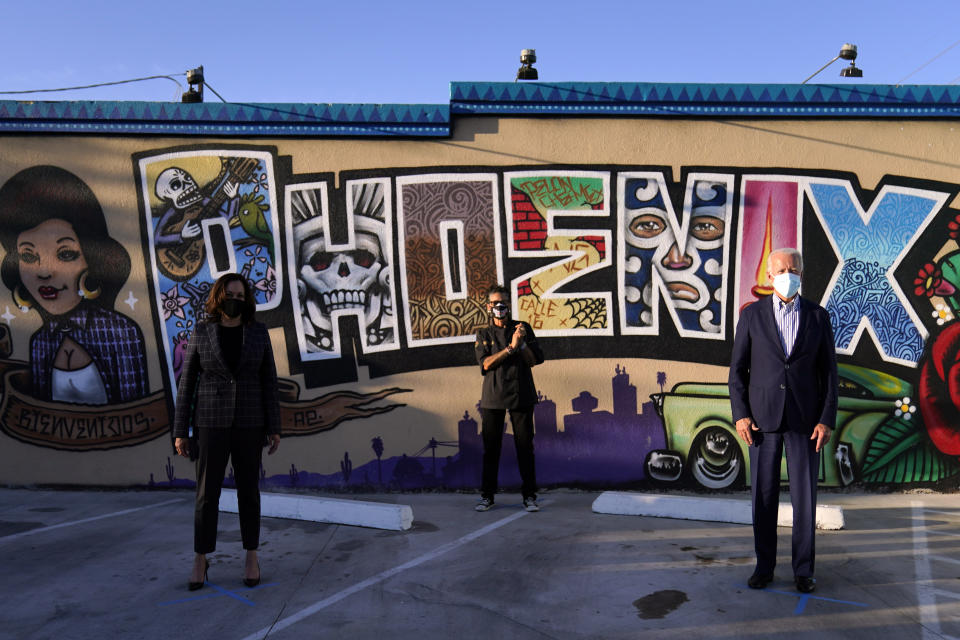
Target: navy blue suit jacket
{"x": 798, "y": 391}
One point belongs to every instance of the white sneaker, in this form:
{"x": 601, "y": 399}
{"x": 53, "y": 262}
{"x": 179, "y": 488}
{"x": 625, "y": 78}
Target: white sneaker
{"x": 530, "y": 504}
{"x": 484, "y": 504}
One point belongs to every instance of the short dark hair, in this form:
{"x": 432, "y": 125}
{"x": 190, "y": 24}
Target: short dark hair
{"x": 44, "y": 192}
{"x": 218, "y": 293}
{"x": 498, "y": 288}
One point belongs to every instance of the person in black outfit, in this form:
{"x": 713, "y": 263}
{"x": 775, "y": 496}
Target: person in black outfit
{"x": 228, "y": 392}
{"x": 506, "y": 351}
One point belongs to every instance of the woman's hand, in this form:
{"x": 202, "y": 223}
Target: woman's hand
{"x": 182, "y": 447}
{"x": 274, "y": 443}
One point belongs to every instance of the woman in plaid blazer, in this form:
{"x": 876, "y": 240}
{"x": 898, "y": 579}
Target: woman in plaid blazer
{"x": 228, "y": 392}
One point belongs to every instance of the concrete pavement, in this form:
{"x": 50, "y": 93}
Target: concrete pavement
{"x": 89, "y": 564}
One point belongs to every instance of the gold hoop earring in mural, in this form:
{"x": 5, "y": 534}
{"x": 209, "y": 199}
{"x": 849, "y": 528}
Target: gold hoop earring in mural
{"x": 20, "y": 300}
{"x": 85, "y": 293}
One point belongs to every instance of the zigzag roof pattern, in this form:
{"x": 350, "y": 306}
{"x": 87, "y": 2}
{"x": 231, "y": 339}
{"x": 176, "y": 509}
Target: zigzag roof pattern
{"x": 679, "y": 99}
{"x": 211, "y": 118}
{"x": 483, "y": 98}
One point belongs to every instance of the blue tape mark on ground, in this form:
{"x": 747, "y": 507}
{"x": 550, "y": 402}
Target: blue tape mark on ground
{"x": 220, "y": 591}
{"x": 231, "y": 594}
{"x": 803, "y": 598}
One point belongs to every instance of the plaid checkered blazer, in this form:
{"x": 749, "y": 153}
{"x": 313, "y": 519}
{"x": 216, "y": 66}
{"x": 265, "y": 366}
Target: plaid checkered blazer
{"x": 247, "y": 399}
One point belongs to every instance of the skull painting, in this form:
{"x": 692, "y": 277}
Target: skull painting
{"x": 177, "y": 187}
{"x": 343, "y": 281}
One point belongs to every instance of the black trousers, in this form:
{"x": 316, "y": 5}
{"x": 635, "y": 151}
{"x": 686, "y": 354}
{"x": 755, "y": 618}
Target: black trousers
{"x": 243, "y": 447}
{"x": 803, "y": 467}
{"x": 492, "y": 434}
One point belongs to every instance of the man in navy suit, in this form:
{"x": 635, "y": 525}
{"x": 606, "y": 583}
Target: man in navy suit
{"x": 783, "y": 393}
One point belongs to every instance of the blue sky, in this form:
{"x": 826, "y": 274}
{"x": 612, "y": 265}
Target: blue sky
{"x": 409, "y": 51}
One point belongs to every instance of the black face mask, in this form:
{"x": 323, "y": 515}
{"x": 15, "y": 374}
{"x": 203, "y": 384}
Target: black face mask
{"x": 231, "y": 308}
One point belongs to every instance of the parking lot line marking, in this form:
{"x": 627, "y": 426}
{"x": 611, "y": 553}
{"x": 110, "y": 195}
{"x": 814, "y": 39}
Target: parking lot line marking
{"x": 383, "y": 575}
{"x": 944, "y": 559}
{"x": 946, "y": 513}
{"x": 926, "y": 600}
{"x": 31, "y": 532}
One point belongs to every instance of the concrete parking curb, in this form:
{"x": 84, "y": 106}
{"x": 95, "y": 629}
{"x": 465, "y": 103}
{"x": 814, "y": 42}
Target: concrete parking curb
{"x": 711, "y": 509}
{"x": 377, "y": 515}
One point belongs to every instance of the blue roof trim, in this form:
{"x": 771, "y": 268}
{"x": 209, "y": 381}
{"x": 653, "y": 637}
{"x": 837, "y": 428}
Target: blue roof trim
{"x": 175, "y": 118}
{"x": 676, "y": 99}
{"x": 483, "y": 98}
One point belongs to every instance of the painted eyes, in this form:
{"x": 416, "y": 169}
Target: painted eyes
{"x": 647, "y": 226}
{"x": 701, "y": 227}
{"x": 322, "y": 260}
{"x": 363, "y": 258}
{"x": 706, "y": 227}
{"x": 63, "y": 255}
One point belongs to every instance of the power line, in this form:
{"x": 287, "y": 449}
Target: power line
{"x": 900, "y": 81}
{"x": 207, "y": 84}
{"x": 99, "y": 84}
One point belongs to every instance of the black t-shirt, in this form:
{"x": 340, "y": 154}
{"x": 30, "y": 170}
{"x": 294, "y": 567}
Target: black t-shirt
{"x": 231, "y": 342}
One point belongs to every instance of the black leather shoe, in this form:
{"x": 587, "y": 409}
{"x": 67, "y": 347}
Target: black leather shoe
{"x": 194, "y": 586}
{"x": 759, "y": 580}
{"x": 805, "y": 584}
{"x": 252, "y": 582}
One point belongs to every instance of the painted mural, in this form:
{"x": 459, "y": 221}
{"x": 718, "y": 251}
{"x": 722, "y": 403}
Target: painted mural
{"x": 368, "y": 278}
{"x": 210, "y": 212}
{"x": 539, "y": 203}
{"x": 333, "y": 279}
{"x": 450, "y": 250}
{"x": 85, "y": 385}
{"x": 684, "y": 257}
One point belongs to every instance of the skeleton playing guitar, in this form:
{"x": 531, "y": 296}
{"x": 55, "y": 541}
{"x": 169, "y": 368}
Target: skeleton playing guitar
{"x": 182, "y": 261}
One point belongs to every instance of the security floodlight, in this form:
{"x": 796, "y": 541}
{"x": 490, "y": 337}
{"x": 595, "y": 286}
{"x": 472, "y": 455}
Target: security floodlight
{"x": 195, "y": 80}
{"x": 847, "y": 52}
{"x": 526, "y": 71}
{"x": 195, "y": 76}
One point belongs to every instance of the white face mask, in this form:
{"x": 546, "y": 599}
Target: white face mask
{"x": 786, "y": 284}
{"x": 500, "y": 310}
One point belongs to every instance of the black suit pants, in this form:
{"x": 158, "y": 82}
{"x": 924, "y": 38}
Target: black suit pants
{"x": 492, "y": 434}
{"x": 243, "y": 447}
{"x": 803, "y": 467}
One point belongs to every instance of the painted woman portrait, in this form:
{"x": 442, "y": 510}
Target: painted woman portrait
{"x": 61, "y": 262}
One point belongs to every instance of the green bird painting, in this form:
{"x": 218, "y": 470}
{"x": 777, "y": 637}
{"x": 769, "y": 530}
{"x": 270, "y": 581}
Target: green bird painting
{"x": 250, "y": 216}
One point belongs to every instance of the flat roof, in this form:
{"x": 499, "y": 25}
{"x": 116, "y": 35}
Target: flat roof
{"x": 535, "y": 99}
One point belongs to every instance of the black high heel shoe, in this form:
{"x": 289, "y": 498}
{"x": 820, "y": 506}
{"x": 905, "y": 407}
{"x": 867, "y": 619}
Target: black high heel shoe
{"x": 193, "y": 586}
{"x": 252, "y": 582}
